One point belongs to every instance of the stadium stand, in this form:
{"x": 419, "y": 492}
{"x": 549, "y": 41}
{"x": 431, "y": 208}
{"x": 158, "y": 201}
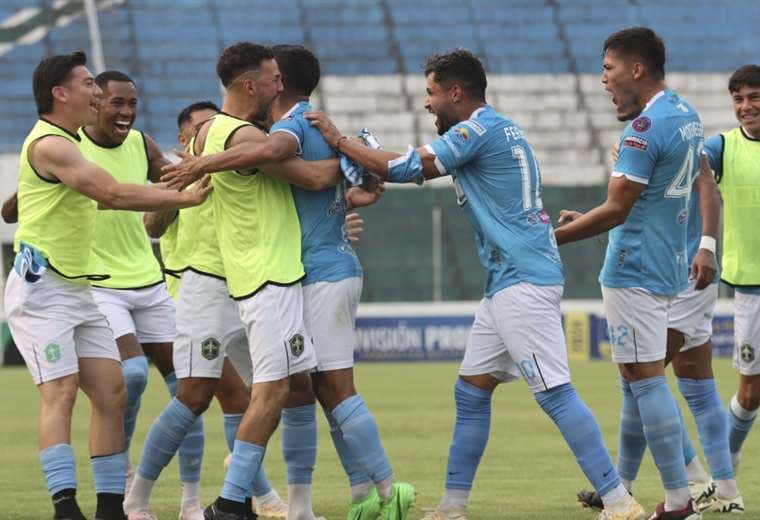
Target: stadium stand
{"x": 543, "y": 59}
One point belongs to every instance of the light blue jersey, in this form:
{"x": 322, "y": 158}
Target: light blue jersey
{"x": 498, "y": 185}
{"x": 660, "y": 148}
{"x": 327, "y": 254}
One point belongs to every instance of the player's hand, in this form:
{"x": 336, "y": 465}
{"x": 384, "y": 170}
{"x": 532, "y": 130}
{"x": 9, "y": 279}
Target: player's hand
{"x": 614, "y": 153}
{"x": 356, "y": 197}
{"x": 329, "y": 131}
{"x": 200, "y": 190}
{"x": 703, "y": 268}
{"x": 182, "y": 174}
{"x": 566, "y": 216}
{"x": 354, "y": 226}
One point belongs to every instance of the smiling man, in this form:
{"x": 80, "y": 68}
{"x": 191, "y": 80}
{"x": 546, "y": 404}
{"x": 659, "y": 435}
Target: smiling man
{"x": 646, "y": 265}
{"x": 518, "y": 325}
{"x": 734, "y": 156}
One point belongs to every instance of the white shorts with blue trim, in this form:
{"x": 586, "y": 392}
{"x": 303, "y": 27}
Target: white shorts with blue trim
{"x": 148, "y": 313}
{"x": 691, "y": 314}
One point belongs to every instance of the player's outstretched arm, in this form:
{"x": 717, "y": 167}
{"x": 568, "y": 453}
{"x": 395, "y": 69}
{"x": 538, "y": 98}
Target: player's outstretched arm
{"x": 156, "y": 160}
{"x": 704, "y": 266}
{"x": 376, "y": 161}
{"x": 157, "y": 222}
{"x": 10, "y": 209}
{"x": 622, "y": 193}
{"x": 58, "y": 158}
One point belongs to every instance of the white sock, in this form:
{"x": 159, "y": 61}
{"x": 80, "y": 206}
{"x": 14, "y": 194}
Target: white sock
{"x": 139, "y": 495}
{"x": 299, "y": 502}
{"x": 627, "y": 484}
{"x": 617, "y": 499}
{"x": 360, "y": 491}
{"x": 272, "y": 496}
{"x": 676, "y": 499}
{"x": 385, "y": 488}
{"x": 727, "y": 488}
{"x": 695, "y": 472}
{"x": 454, "y": 499}
{"x": 190, "y": 494}
{"x": 739, "y": 411}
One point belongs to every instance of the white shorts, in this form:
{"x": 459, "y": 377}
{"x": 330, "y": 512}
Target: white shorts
{"x": 54, "y": 323}
{"x": 208, "y": 327}
{"x": 747, "y": 333}
{"x": 330, "y": 317}
{"x": 691, "y": 314}
{"x": 278, "y": 342}
{"x": 637, "y": 323}
{"x": 518, "y": 332}
{"x": 148, "y": 313}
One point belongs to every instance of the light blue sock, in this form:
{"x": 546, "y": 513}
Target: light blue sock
{"x": 662, "y": 428}
{"x": 261, "y": 485}
{"x": 688, "y": 448}
{"x": 245, "y": 463}
{"x": 707, "y": 409}
{"x": 191, "y": 449}
{"x": 59, "y": 468}
{"x": 633, "y": 443}
{"x": 110, "y": 473}
{"x": 354, "y": 471}
{"x": 360, "y": 433}
{"x": 135, "y": 371}
{"x": 164, "y": 437}
{"x": 740, "y": 422}
{"x": 299, "y": 442}
{"x": 582, "y": 434}
{"x": 471, "y": 430}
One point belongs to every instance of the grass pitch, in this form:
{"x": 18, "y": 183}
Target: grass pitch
{"x": 527, "y": 471}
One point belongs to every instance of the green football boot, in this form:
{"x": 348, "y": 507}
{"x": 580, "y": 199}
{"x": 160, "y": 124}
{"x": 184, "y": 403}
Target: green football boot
{"x": 400, "y": 502}
{"x": 366, "y": 509}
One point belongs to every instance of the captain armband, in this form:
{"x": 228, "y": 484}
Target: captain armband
{"x": 407, "y": 168}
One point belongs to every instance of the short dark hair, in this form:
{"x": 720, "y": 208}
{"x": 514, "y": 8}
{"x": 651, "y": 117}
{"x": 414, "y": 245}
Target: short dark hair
{"x": 461, "y": 67}
{"x": 747, "y": 75}
{"x": 187, "y": 112}
{"x": 642, "y": 43}
{"x": 52, "y": 72}
{"x": 299, "y": 68}
{"x": 239, "y": 58}
{"x": 103, "y": 78}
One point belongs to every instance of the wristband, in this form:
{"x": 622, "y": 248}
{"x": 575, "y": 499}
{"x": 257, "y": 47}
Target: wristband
{"x": 708, "y": 243}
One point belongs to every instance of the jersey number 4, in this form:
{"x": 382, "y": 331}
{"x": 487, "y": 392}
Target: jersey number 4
{"x": 681, "y": 185}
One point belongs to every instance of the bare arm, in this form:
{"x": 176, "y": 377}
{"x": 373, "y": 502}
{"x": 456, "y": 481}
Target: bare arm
{"x": 622, "y": 193}
{"x": 10, "y": 209}
{"x": 704, "y": 265}
{"x": 58, "y": 158}
{"x": 157, "y": 222}
{"x": 156, "y": 159}
{"x": 375, "y": 161}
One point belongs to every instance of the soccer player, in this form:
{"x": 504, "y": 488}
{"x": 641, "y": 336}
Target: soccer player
{"x": 134, "y": 299}
{"x": 690, "y": 350}
{"x": 64, "y": 338}
{"x": 646, "y": 265}
{"x": 332, "y": 289}
{"x": 518, "y": 325}
{"x": 218, "y": 338}
{"x": 734, "y": 157}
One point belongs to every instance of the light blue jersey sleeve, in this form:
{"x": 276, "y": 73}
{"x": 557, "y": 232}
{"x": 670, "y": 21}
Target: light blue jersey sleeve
{"x": 714, "y": 153}
{"x": 460, "y": 144}
{"x": 291, "y": 126}
{"x": 638, "y": 151}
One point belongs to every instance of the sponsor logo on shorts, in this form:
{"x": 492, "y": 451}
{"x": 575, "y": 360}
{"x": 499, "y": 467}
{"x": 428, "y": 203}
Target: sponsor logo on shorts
{"x": 52, "y": 352}
{"x": 210, "y": 348}
{"x": 636, "y": 142}
{"x": 296, "y": 343}
{"x": 641, "y": 124}
{"x": 747, "y": 352}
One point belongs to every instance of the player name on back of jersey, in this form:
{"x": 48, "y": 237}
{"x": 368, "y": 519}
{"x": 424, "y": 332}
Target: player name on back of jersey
{"x": 691, "y": 130}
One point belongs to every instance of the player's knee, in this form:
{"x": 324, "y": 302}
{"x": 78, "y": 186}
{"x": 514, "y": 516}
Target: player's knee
{"x": 272, "y": 395}
{"x": 110, "y": 397}
{"x": 62, "y": 399}
{"x": 135, "y": 372}
{"x": 301, "y": 391}
{"x": 233, "y": 400}
{"x": 196, "y": 397}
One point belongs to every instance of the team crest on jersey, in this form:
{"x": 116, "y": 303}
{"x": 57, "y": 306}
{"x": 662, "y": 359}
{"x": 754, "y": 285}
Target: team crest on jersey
{"x": 296, "y": 343}
{"x": 52, "y": 352}
{"x": 641, "y": 124}
{"x": 683, "y": 216}
{"x": 634, "y": 141}
{"x": 462, "y": 134}
{"x": 210, "y": 348}
{"x": 747, "y": 353}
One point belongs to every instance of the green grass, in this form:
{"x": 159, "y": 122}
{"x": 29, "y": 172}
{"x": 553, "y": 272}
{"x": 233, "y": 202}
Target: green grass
{"x": 527, "y": 470}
